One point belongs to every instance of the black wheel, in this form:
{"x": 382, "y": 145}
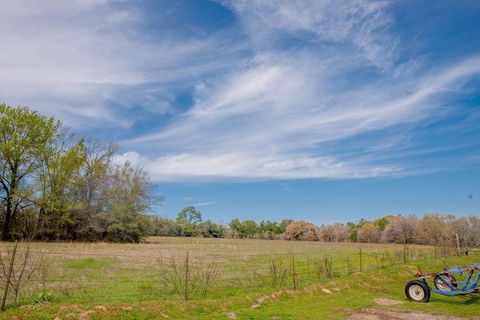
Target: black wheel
{"x": 440, "y": 282}
{"x": 417, "y": 291}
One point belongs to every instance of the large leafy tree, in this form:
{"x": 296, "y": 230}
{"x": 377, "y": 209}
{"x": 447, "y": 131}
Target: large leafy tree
{"x": 190, "y": 214}
{"x": 59, "y": 181}
{"x": 188, "y": 221}
{"x": 24, "y": 137}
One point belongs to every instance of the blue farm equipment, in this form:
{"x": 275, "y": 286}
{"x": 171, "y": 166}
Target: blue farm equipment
{"x": 445, "y": 283}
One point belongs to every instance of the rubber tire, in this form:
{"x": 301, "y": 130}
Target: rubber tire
{"x": 453, "y": 281}
{"x": 423, "y": 285}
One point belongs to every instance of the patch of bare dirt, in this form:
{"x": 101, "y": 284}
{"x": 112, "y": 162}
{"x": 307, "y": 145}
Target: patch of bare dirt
{"x": 271, "y": 296}
{"x": 380, "y": 314}
{"x": 309, "y": 289}
{"x": 127, "y": 307}
{"x": 101, "y": 308}
{"x": 85, "y": 315}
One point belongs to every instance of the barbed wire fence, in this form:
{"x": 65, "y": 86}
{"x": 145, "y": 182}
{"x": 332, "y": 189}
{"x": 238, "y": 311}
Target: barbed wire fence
{"x": 29, "y": 276}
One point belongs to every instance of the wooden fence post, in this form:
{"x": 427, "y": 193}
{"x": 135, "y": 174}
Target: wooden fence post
{"x": 9, "y": 275}
{"x": 458, "y": 243}
{"x": 294, "y": 273}
{"x": 187, "y": 275}
{"x": 308, "y": 268}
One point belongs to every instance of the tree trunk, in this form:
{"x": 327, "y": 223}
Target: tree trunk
{"x": 10, "y": 209}
{"x": 6, "y": 221}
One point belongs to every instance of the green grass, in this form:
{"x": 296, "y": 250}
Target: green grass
{"x": 88, "y": 263}
{"x": 115, "y": 281}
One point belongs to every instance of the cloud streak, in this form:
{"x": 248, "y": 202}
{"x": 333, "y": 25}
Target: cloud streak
{"x": 271, "y": 121}
{"x": 361, "y": 24}
{"x": 88, "y": 62}
{"x": 204, "y": 204}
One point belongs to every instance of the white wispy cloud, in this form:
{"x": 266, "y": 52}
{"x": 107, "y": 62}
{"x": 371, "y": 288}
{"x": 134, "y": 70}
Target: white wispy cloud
{"x": 271, "y": 120}
{"x": 87, "y": 62}
{"x": 361, "y": 23}
{"x": 204, "y": 204}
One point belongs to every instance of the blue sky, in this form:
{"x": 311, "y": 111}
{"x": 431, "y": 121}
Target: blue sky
{"x": 319, "y": 110}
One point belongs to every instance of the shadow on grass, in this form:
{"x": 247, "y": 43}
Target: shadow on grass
{"x": 458, "y": 301}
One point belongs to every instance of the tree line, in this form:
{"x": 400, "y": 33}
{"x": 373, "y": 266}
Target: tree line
{"x": 55, "y": 185}
{"x": 429, "y": 229}
{"x": 189, "y": 223}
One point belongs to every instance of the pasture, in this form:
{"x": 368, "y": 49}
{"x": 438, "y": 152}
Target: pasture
{"x": 197, "y": 278}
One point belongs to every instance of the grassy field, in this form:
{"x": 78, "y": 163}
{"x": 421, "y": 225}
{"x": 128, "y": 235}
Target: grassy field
{"x": 180, "y": 278}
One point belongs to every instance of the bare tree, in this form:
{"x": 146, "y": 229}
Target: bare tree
{"x": 21, "y": 272}
{"x": 430, "y": 229}
{"x": 400, "y": 230}
{"x": 302, "y": 230}
{"x": 336, "y": 232}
